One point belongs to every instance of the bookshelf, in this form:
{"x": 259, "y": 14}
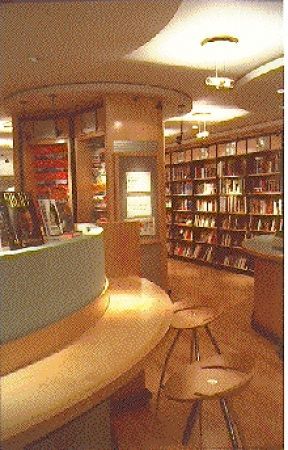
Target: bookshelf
{"x": 219, "y": 194}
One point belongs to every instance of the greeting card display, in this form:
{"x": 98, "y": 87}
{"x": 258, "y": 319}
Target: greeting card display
{"x": 19, "y": 222}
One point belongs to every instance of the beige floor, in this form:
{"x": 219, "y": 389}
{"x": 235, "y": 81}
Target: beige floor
{"x": 259, "y": 408}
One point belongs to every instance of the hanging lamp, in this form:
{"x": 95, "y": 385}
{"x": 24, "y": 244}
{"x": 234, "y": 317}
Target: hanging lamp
{"x": 219, "y": 82}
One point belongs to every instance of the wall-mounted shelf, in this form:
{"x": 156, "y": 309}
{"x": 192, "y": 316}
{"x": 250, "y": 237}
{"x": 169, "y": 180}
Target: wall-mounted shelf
{"x": 235, "y": 190}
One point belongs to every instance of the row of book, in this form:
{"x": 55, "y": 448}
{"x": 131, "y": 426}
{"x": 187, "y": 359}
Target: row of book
{"x": 207, "y": 171}
{"x": 232, "y": 186}
{"x": 232, "y": 204}
{"x": 205, "y": 188}
{"x": 231, "y": 168}
{"x": 265, "y": 185}
{"x": 183, "y": 188}
{"x": 181, "y": 173}
{"x": 266, "y": 206}
{"x": 209, "y": 254}
{"x": 206, "y": 205}
{"x": 262, "y": 164}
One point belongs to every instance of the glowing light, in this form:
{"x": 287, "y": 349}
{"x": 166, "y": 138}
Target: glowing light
{"x": 258, "y": 26}
{"x": 202, "y": 134}
{"x": 6, "y": 142}
{"x": 117, "y": 125}
{"x": 6, "y": 126}
{"x": 220, "y": 82}
{"x": 210, "y": 113}
{"x": 212, "y": 381}
{"x": 262, "y": 70}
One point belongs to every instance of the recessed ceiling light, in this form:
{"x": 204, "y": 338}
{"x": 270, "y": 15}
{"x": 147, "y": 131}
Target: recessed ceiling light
{"x": 33, "y": 59}
{"x": 280, "y": 91}
{"x": 195, "y": 127}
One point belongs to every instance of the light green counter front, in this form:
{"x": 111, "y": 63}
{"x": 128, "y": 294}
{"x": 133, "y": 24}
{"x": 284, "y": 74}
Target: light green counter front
{"x": 43, "y": 285}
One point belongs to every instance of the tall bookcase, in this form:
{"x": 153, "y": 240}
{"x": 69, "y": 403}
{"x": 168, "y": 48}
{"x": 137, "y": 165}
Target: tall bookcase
{"x": 217, "y": 195}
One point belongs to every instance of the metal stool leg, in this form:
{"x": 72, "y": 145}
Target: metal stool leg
{"x": 213, "y": 340}
{"x": 191, "y": 421}
{"x": 168, "y": 356}
{"x": 201, "y": 425}
{"x": 196, "y": 345}
{"x": 229, "y": 423}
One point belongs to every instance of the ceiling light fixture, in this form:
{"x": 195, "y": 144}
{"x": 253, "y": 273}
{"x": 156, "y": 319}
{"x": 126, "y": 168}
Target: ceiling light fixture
{"x": 218, "y": 43}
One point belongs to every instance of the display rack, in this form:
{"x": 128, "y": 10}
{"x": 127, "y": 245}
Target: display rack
{"x": 50, "y": 164}
{"x": 220, "y": 194}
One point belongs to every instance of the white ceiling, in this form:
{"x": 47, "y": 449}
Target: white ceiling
{"x": 151, "y": 42}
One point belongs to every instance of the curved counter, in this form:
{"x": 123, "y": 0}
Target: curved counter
{"x": 43, "y": 396}
{"x": 49, "y": 295}
{"x": 42, "y": 285}
{"x": 268, "y": 285}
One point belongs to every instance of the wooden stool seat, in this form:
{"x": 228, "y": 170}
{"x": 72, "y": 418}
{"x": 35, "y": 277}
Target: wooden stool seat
{"x": 215, "y": 377}
{"x": 212, "y": 378}
{"x": 189, "y": 317}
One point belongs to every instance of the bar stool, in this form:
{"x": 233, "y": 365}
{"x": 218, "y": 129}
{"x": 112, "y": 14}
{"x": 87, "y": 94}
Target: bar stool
{"x": 215, "y": 377}
{"x": 194, "y": 318}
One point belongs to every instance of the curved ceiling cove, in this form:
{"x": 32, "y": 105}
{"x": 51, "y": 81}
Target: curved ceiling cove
{"x": 256, "y": 24}
{"x": 79, "y": 50}
{"x": 68, "y": 96}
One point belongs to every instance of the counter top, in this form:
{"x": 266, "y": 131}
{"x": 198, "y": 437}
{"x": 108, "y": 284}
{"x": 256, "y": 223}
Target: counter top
{"x": 265, "y": 247}
{"x": 45, "y": 395}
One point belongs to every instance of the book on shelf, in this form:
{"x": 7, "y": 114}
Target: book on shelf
{"x": 266, "y": 164}
{"x": 181, "y": 173}
{"x": 232, "y": 204}
{"x": 266, "y": 206}
{"x": 232, "y": 186}
{"x": 238, "y": 262}
{"x": 183, "y": 187}
{"x": 204, "y": 221}
{"x": 20, "y": 224}
{"x": 231, "y": 168}
{"x": 265, "y": 185}
{"x": 206, "y": 171}
{"x": 206, "y": 205}
{"x": 206, "y": 189}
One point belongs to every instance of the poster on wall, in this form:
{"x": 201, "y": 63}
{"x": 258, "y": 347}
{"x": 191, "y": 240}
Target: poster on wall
{"x": 147, "y": 226}
{"x": 139, "y": 206}
{"x": 138, "y": 182}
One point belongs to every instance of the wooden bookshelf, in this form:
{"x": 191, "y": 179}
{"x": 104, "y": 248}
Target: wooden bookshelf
{"x": 221, "y": 194}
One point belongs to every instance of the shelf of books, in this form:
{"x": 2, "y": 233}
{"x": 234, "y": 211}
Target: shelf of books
{"x": 220, "y": 194}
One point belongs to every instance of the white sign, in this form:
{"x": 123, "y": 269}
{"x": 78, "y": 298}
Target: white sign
{"x": 138, "y": 181}
{"x": 139, "y": 206}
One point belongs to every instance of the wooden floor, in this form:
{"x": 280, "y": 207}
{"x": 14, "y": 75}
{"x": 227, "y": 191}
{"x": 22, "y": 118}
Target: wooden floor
{"x": 258, "y": 410}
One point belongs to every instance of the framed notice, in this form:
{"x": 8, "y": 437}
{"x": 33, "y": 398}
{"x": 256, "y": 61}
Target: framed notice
{"x": 138, "y": 182}
{"x": 139, "y": 206}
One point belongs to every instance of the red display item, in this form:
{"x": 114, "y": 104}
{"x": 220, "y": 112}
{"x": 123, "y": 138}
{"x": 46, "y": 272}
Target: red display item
{"x": 51, "y": 176}
{"x": 49, "y": 149}
{"x": 50, "y": 163}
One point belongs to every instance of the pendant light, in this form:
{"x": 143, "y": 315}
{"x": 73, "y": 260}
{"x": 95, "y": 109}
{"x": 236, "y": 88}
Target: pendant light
{"x": 220, "y": 43}
{"x": 202, "y": 134}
